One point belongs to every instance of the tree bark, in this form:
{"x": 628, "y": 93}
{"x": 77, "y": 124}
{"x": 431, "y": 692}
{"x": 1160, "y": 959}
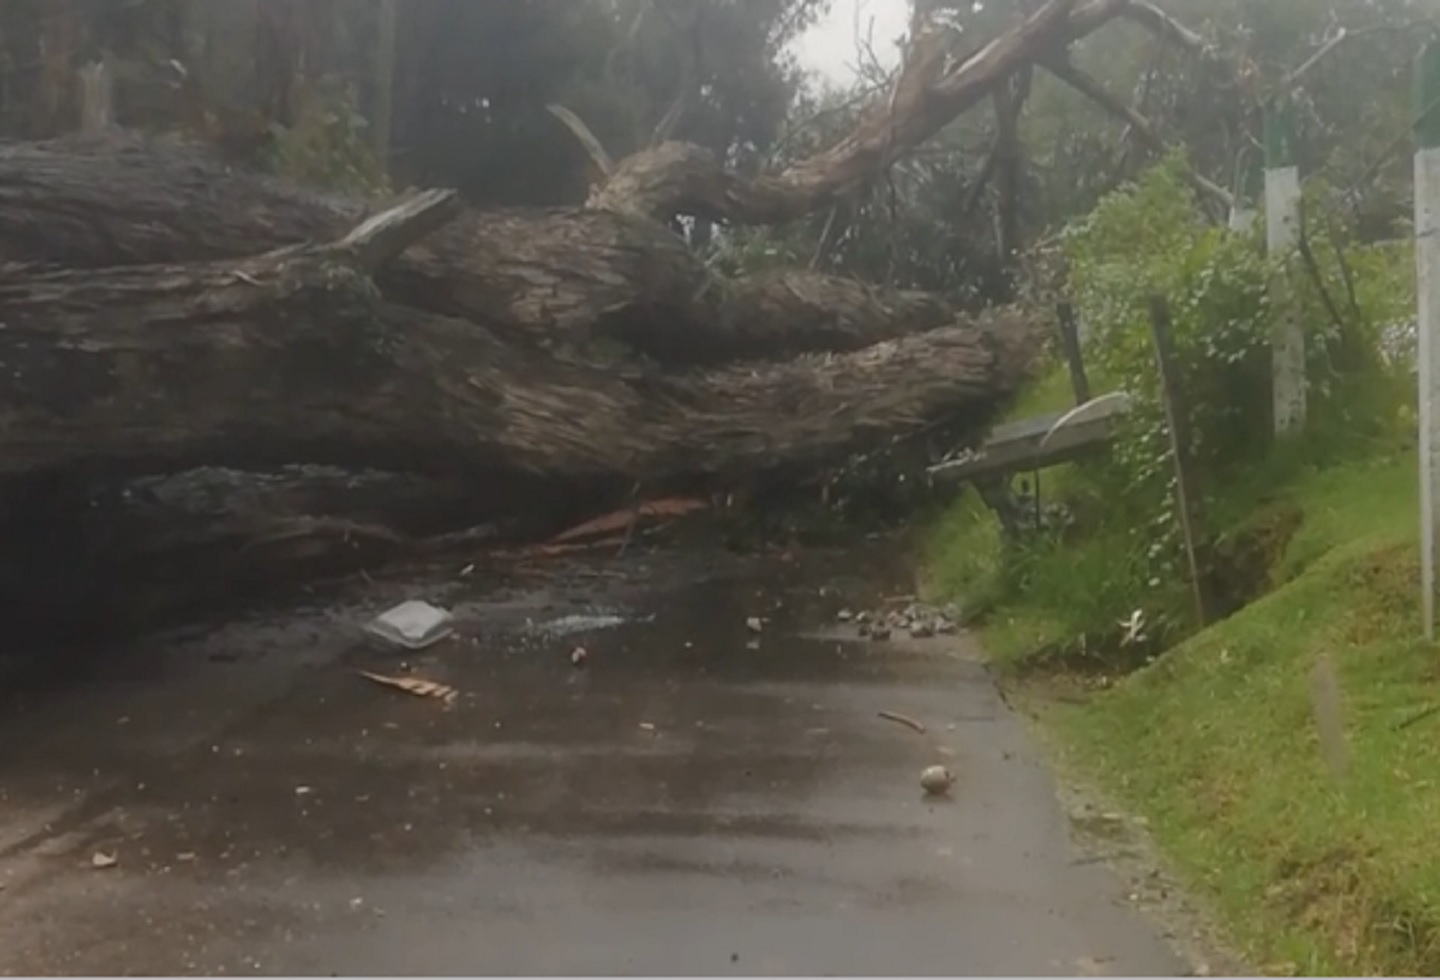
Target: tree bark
{"x": 292, "y": 357}
{"x": 562, "y": 281}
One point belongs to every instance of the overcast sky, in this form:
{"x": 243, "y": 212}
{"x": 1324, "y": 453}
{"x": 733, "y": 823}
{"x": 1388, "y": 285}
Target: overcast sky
{"x": 829, "y": 48}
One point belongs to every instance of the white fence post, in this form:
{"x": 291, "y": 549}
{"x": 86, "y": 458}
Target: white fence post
{"x": 1427, "y": 283}
{"x": 1282, "y": 232}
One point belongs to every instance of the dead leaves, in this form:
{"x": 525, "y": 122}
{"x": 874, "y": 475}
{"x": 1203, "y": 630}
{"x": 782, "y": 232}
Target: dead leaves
{"x": 416, "y": 686}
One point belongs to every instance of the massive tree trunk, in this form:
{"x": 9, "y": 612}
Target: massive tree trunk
{"x": 564, "y": 281}
{"x": 164, "y": 312}
{"x": 294, "y": 357}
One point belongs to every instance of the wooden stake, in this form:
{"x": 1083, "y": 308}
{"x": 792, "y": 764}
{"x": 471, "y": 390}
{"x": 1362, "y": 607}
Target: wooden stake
{"x": 1186, "y": 488}
{"x": 1074, "y": 357}
{"x": 1427, "y": 262}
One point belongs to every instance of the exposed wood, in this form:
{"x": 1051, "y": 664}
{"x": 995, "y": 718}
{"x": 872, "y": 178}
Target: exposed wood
{"x": 381, "y": 239}
{"x": 587, "y": 138}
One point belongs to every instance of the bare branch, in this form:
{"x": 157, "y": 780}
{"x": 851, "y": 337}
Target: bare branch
{"x": 931, "y": 90}
{"x": 1339, "y": 37}
{"x": 586, "y": 136}
{"x": 1163, "y": 26}
{"x": 1089, "y": 87}
{"x": 389, "y": 233}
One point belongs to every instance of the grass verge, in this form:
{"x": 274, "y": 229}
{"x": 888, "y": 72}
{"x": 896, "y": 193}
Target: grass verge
{"x": 1313, "y": 871}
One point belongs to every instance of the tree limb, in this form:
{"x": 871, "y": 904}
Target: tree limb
{"x": 1091, "y": 88}
{"x": 1163, "y": 26}
{"x": 586, "y": 136}
{"x": 927, "y": 95}
{"x": 378, "y": 240}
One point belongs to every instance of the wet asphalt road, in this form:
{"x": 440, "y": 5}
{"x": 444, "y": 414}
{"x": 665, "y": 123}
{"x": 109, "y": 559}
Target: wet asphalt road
{"x": 697, "y": 801}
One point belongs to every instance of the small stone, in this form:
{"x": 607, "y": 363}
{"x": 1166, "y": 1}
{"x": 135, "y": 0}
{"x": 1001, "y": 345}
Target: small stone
{"x": 922, "y": 631}
{"x": 755, "y": 625}
{"x": 937, "y": 780}
{"x": 864, "y": 629}
{"x": 863, "y": 617}
{"x": 946, "y": 627}
{"x": 881, "y": 633}
{"x": 845, "y": 616}
{"x": 101, "y": 861}
{"x": 577, "y": 656}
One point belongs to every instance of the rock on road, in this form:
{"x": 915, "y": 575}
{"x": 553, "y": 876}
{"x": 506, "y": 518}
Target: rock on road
{"x": 697, "y": 798}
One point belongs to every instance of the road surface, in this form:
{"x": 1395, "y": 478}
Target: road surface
{"x": 697, "y": 800}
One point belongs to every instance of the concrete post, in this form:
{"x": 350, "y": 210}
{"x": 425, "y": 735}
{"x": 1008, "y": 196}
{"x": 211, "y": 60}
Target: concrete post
{"x": 1282, "y": 229}
{"x": 1427, "y": 280}
{"x": 1248, "y": 189}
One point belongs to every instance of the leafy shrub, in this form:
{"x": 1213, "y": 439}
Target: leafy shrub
{"x": 328, "y": 144}
{"x": 1150, "y": 239}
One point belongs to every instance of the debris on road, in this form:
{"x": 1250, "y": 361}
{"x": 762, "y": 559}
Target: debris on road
{"x": 417, "y": 686}
{"x": 578, "y": 657}
{"x": 755, "y": 624}
{"x": 919, "y": 621}
{"x": 910, "y": 723}
{"x": 413, "y": 625}
{"x": 937, "y": 780}
{"x": 618, "y": 521}
{"x": 100, "y": 860}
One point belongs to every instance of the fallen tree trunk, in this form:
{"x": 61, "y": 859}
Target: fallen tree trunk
{"x": 85, "y": 561}
{"x": 563, "y": 280}
{"x": 292, "y": 357}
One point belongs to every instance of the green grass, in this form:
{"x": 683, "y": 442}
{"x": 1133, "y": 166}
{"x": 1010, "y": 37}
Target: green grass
{"x": 1216, "y": 743}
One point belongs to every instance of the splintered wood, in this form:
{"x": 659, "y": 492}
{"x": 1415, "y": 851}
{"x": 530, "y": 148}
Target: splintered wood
{"x": 415, "y": 686}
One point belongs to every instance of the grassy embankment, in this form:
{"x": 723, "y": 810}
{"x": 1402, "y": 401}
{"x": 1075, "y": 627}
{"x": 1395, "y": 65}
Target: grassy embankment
{"x": 1215, "y": 742}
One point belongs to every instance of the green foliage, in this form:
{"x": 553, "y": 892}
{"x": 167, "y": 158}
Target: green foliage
{"x": 328, "y": 146}
{"x": 1216, "y": 745}
{"x": 1122, "y": 551}
{"x": 1224, "y": 296}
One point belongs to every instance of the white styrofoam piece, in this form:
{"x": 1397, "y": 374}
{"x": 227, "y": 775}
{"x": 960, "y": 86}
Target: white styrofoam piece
{"x": 413, "y": 625}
